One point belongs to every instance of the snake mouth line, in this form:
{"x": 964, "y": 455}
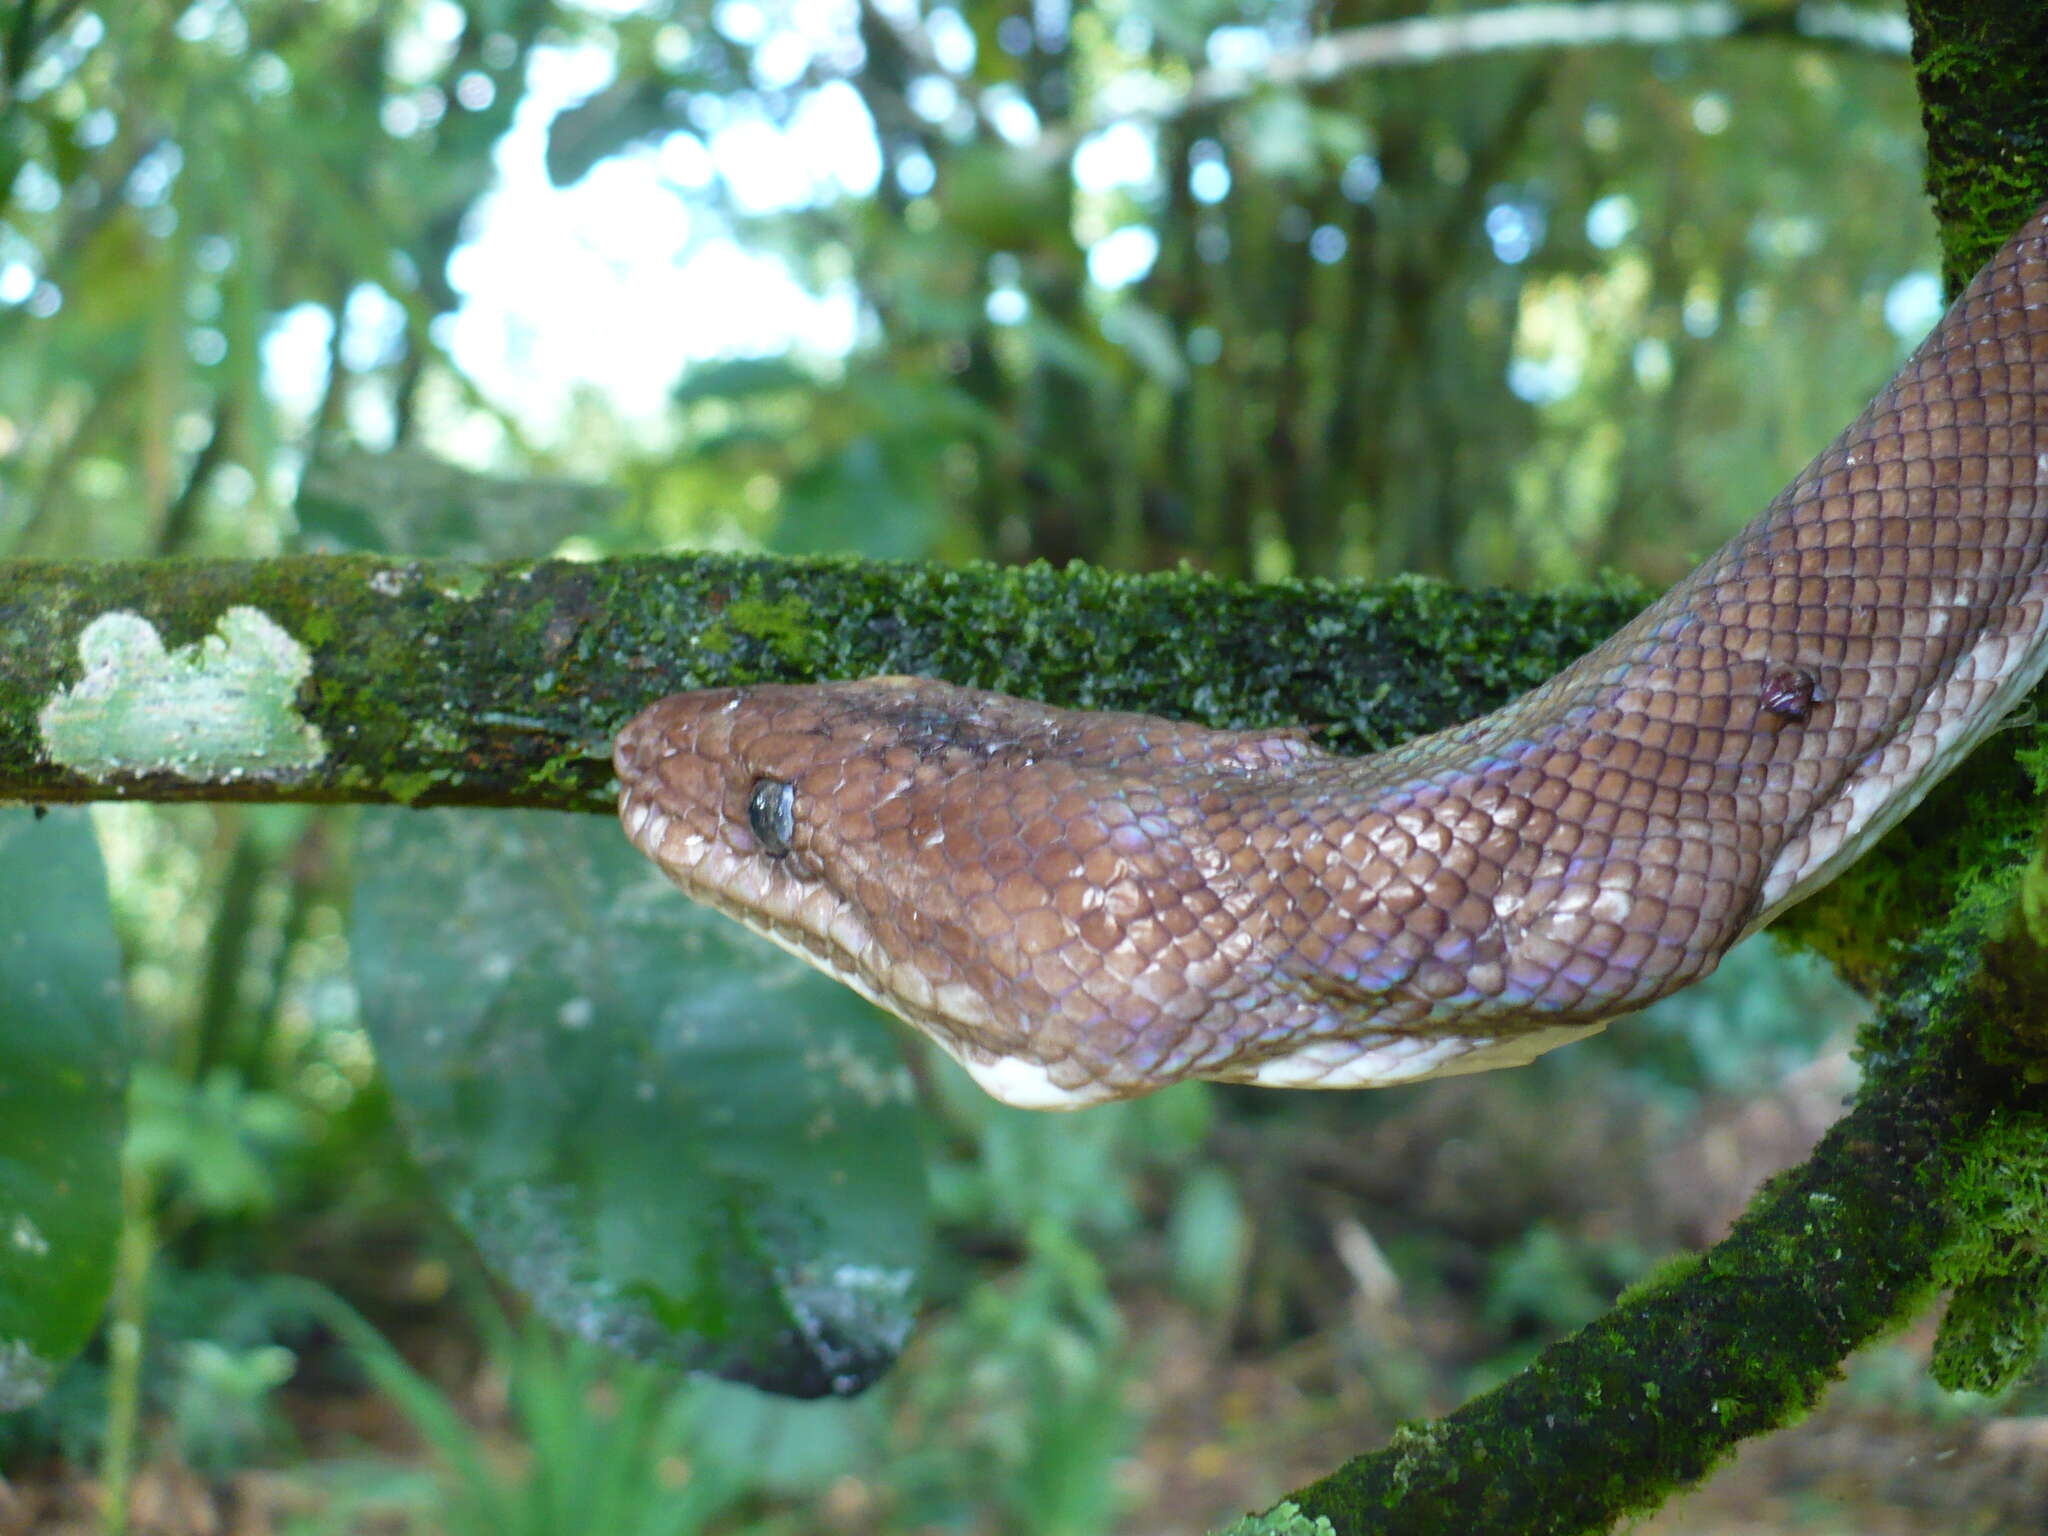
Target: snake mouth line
{"x": 1390, "y": 1058}
{"x": 1020, "y": 1081}
{"x": 1023, "y": 1081}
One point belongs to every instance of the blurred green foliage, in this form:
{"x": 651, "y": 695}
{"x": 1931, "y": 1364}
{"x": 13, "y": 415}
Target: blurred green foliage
{"x": 209, "y": 1144}
{"x": 1508, "y": 316}
{"x": 63, "y": 1065}
{"x": 610, "y": 1447}
{"x": 1511, "y": 317}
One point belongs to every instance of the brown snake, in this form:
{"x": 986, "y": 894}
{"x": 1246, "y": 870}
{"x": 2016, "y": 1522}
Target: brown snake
{"x": 1089, "y": 906}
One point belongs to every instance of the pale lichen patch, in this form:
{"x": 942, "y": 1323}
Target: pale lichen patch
{"x": 24, "y": 1375}
{"x": 223, "y": 708}
{"x": 1282, "y": 1520}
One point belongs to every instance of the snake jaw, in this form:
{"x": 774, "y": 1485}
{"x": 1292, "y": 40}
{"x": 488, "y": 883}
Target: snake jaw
{"x": 688, "y": 804}
{"x": 687, "y": 768}
{"x": 1070, "y": 940}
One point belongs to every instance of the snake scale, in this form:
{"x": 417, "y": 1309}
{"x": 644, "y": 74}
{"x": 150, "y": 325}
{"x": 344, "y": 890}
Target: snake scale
{"x": 1086, "y": 906}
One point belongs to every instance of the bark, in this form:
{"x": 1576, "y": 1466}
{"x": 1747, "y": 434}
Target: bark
{"x": 441, "y": 683}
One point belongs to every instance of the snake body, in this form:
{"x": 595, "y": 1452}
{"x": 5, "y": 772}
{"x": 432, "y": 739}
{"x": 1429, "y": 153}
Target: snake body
{"x": 1084, "y": 906}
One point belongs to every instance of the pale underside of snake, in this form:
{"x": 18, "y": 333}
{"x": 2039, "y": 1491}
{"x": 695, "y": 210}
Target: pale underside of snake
{"x": 1084, "y": 906}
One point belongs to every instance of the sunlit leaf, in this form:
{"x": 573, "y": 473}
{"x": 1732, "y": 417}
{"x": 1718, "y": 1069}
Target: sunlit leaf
{"x": 672, "y": 1138}
{"x": 1150, "y": 340}
{"x": 62, "y": 1069}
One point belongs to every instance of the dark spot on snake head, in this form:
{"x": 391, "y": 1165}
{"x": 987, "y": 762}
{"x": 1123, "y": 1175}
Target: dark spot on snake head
{"x": 1788, "y": 693}
{"x": 771, "y": 813}
{"x": 933, "y": 732}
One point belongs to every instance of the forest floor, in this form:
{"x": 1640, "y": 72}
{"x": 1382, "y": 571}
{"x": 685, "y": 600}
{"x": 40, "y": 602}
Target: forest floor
{"x": 1229, "y": 1425}
{"x": 1226, "y": 1435}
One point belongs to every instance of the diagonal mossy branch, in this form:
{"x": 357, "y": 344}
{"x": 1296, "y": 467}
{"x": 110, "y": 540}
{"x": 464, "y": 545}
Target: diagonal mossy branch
{"x": 353, "y": 678}
{"x": 1937, "y": 1175}
{"x": 1745, "y": 1337}
{"x": 1937, "y": 1178}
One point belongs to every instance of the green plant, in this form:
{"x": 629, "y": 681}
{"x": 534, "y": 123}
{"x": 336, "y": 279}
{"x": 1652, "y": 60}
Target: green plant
{"x": 591, "y": 1443}
{"x": 1023, "y": 1403}
{"x": 222, "y": 1410}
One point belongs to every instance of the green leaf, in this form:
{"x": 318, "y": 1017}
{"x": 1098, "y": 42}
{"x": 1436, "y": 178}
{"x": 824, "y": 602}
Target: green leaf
{"x": 215, "y": 1142}
{"x": 62, "y": 1077}
{"x": 743, "y": 378}
{"x": 408, "y": 502}
{"x": 673, "y": 1138}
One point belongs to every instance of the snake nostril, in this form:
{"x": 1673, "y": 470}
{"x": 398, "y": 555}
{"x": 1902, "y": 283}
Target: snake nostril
{"x": 771, "y": 812}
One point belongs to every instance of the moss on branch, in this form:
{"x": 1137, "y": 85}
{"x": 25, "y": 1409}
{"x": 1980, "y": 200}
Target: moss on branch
{"x": 1982, "y": 70}
{"x": 1744, "y": 1338}
{"x": 456, "y": 684}
{"x": 1938, "y": 1177}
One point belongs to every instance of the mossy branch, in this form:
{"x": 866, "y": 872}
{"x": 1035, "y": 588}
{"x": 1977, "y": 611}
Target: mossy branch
{"x": 1982, "y": 70}
{"x": 349, "y": 678}
{"x": 1745, "y": 1337}
{"x": 1939, "y": 1174}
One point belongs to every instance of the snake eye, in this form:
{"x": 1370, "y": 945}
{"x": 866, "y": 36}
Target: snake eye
{"x": 771, "y": 812}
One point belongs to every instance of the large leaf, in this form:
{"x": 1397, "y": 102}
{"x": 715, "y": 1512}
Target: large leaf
{"x": 671, "y": 1137}
{"x": 62, "y": 1071}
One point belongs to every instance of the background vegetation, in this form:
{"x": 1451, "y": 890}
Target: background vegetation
{"x": 1058, "y": 281}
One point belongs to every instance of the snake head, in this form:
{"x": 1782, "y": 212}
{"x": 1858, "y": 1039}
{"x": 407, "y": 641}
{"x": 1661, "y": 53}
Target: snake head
{"x": 1001, "y": 873}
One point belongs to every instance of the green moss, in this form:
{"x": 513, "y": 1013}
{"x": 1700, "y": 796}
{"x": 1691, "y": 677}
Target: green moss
{"x": 434, "y": 736}
{"x": 1745, "y": 1337}
{"x": 319, "y": 629}
{"x": 787, "y": 625}
{"x": 1672, "y": 1271}
{"x": 407, "y": 788}
{"x": 527, "y": 673}
{"x": 1992, "y": 1333}
{"x": 561, "y": 771}
{"x": 2000, "y": 1196}
{"x": 463, "y": 582}
{"x": 1982, "y": 68}
{"x": 1949, "y": 868}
